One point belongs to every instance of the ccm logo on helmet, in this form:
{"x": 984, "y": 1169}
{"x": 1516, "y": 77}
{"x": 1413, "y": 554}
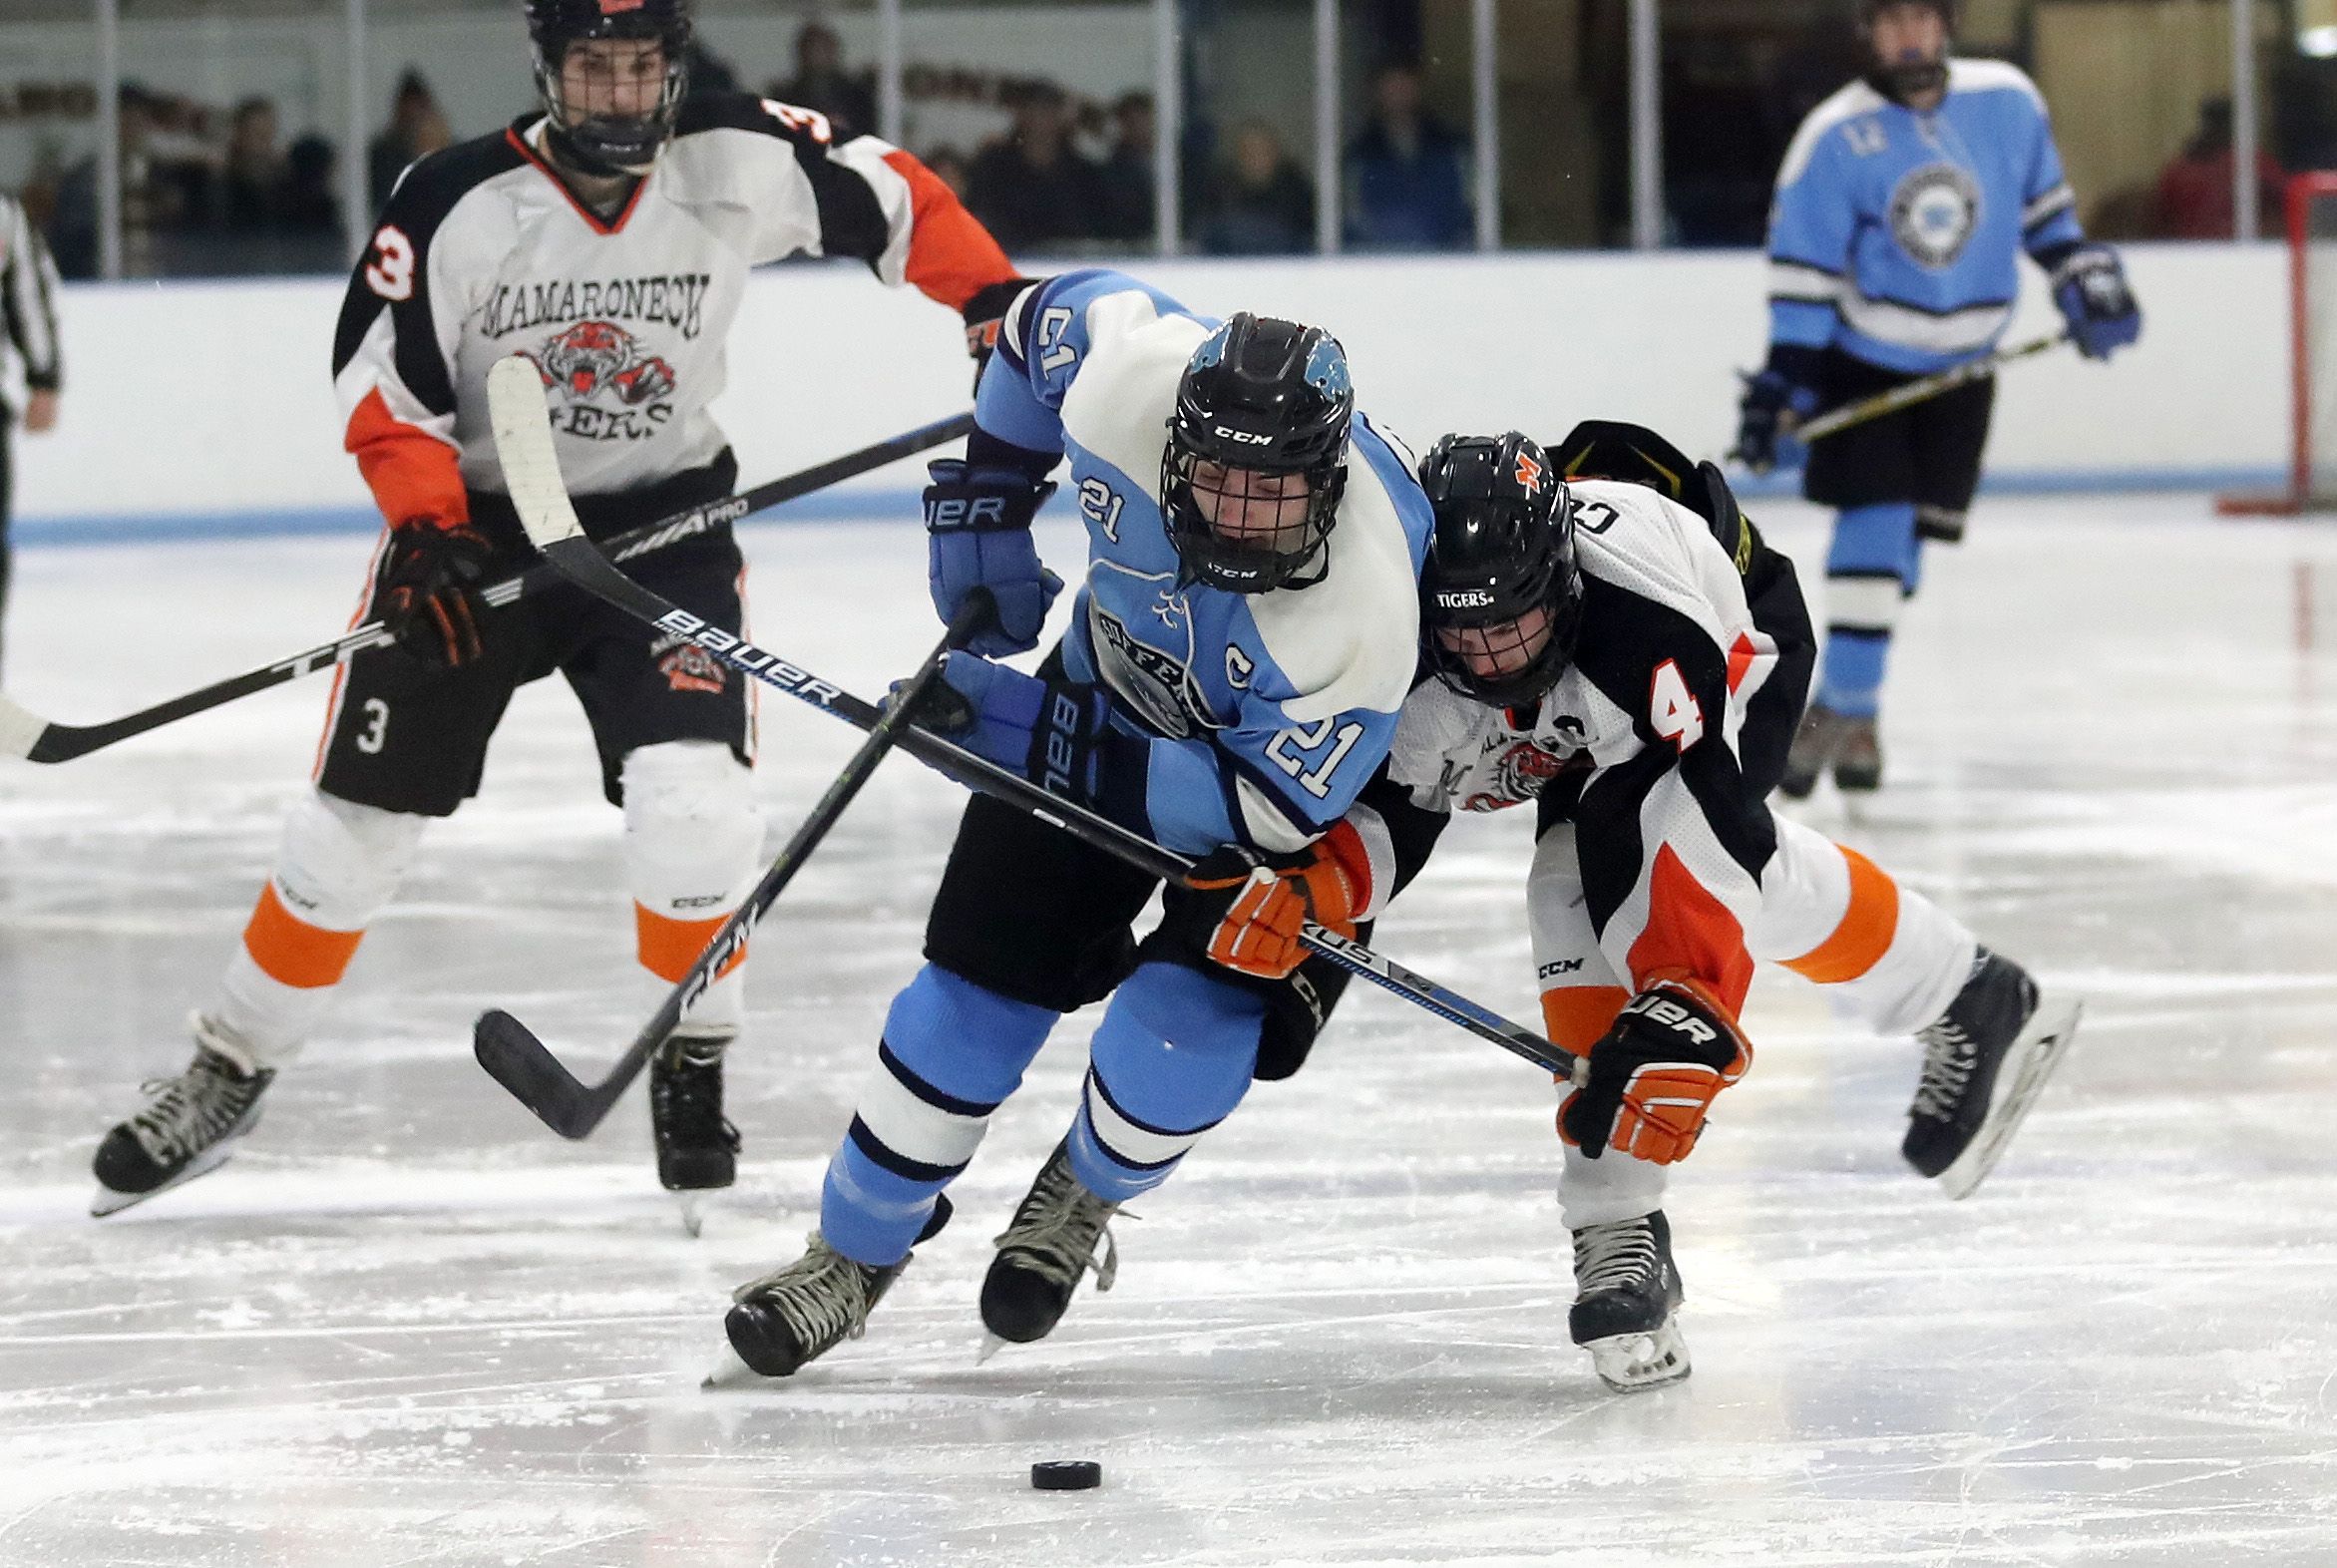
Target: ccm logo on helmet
{"x": 1471, "y": 599}
{"x": 1245, "y": 437}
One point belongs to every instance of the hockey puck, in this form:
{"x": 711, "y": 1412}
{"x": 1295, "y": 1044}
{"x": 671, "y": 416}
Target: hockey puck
{"x": 1066, "y": 1475}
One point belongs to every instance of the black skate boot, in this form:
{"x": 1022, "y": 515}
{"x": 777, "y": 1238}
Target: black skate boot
{"x": 1043, "y": 1253}
{"x": 1814, "y": 745}
{"x": 1984, "y": 1062}
{"x": 189, "y": 1126}
{"x": 697, "y": 1148}
{"x": 1625, "y": 1301}
{"x": 1858, "y": 756}
{"x": 778, "y": 1323}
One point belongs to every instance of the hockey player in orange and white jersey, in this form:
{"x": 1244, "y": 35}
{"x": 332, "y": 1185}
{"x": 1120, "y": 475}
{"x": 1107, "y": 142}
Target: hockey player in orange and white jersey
{"x": 608, "y": 236}
{"x": 1635, "y": 666}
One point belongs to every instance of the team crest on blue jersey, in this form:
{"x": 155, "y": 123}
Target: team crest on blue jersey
{"x": 1934, "y": 211}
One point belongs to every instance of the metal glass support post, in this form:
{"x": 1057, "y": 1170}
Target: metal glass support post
{"x": 356, "y": 165}
{"x": 2244, "y": 216}
{"x": 108, "y": 19}
{"x": 1327, "y": 180}
{"x": 891, "y": 112}
{"x": 1647, "y": 128}
{"x": 1486, "y": 99}
{"x": 1168, "y": 125}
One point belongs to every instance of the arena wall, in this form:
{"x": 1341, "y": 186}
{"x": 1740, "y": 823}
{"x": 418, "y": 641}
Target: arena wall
{"x": 197, "y": 407}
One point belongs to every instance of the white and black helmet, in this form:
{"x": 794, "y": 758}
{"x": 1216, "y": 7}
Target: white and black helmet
{"x": 610, "y": 144}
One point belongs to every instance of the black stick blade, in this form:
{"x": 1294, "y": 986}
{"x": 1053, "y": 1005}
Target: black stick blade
{"x": 516, "y": 1059}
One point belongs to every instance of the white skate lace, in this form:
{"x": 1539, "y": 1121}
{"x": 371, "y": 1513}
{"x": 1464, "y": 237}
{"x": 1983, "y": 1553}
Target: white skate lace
{"x": 1613, "y": 1257}
{"x": 1057, "y": 1227}
{"x": 1949, "y": 1056}
{"x": 823, "y": 1295}
{"x": 189, "y": 1112}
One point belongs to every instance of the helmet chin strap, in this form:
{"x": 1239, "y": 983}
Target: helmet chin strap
{"x": 567, "y": 150}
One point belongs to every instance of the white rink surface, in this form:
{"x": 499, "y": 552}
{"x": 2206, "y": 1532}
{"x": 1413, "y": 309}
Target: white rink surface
{"x": 406, "y": 1325}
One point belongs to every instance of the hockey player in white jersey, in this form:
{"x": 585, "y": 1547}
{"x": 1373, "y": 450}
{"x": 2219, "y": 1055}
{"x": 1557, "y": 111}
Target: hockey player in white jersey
{"x": 1633, "y": 666}
{"x": 1903, "y": 206}
{"x": 1238, "y": 652}
{"x": 608, "y": 236}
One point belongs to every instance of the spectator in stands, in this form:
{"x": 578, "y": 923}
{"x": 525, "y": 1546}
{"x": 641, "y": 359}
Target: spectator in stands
{"x": 1406, "y": 175}
{"x": 2194, "y": 189}
{"x": 417, "y": 126}
{"x": 1030, "y": 187}
{"x": 1127, "y": 172}
{"x": 822, "y": 83}
{"x": 252, "y": 186}
{"x": 310, "y": 206}
{"x": 1262, "y": 203}
{"x": 949, "y": 167}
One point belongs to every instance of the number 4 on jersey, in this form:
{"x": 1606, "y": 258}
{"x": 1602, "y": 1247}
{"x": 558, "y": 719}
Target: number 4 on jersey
{"x": 1673, "y": 710}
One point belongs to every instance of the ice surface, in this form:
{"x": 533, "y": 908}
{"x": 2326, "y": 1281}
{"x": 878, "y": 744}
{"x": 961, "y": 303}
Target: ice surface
{"x": 407, "y": 1326}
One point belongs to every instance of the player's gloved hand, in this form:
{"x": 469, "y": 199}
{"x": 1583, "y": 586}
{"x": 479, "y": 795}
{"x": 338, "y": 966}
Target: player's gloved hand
{"x": 983, "y": 314}
{"x": 1765, "y": 438}
{"x": 2090, "y": 288}
{"x": 1654, "y": 1075}
{"x": 427, "y": 593}
{"x": 1045, "y": 731}
{"x": 977, "y": 527}
{"x": 1252, "y": 906}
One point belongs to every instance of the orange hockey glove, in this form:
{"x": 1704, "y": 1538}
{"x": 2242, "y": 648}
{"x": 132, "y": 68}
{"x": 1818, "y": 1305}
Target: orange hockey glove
{"x": 1253, "y": 907}
{"x": 1655, "y": 1074}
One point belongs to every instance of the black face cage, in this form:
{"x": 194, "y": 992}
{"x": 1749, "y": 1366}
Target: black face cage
{"x": 1525, "y": 684}
{"x": 607, "y": 145}
{"x": 1291, "y": 553}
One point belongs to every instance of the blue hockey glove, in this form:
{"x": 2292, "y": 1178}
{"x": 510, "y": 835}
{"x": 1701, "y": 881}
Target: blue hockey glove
{"x": 1763, "y": 437}
{"x": 2090, "y": 288}
{"x": 1045, "y": 731}
{"x": 977, "y": 523}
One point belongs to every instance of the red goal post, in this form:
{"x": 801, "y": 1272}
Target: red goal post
{"x": 2312, "y": 356}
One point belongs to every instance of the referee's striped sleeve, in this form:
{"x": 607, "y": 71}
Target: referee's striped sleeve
{"x": 28, "y": 297}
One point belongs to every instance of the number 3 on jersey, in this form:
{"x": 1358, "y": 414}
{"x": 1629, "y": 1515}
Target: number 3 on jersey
{"x": 392, "y": 273}
{"x": 1673, "y": 711}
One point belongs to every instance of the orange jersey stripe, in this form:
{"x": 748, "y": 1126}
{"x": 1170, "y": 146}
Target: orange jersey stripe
{"x": 669, "y": 946}
{"x": 411, "y": 473}
{"x": 1867, "y": 926}
{"x": 1579, "y": 1016}
{"x": 950, "y": 256}
{"x": 293, "y": 953}
{"x": 1690, "y": 932}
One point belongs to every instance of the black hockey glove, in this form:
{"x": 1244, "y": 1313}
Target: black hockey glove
{"x": 1775, "y": 401}
{"x": 983, "y": 314}
{"x": 427, "y": 593}
{"x": 2090, "y": 286}
{"x": 1654, "y": 1075}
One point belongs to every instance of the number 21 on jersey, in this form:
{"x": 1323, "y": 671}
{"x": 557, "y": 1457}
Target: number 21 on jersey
{"x": 1315, "y": 781}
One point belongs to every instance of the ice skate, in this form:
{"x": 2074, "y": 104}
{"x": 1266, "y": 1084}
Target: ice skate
{"x": 1043, "y": 1253}
{"x": 1815, "y": 747}
{"x": 1858, "y": 755}
{"x": 1984, "y": 1062}
{"x": 190, "y": 1124}
{"x": 778, "y": 1323}
{"x": 1627, "y": 1302}
{"x": 698, "y": 1147}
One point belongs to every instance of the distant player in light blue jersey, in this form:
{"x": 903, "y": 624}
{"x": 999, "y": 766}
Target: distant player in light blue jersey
{"x": 1902, "y": 210}
{"x": 1239, "y": 648}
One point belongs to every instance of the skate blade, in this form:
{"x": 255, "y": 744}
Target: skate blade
{"x": 2038, "y": 1049}
{"x": 730, "y": 1372}
{"x": 108, "y": 1201}
{"x": 991, "y": 1345}
{"x": 693, "y": 1213}
{"x": 1631, "y": 1363}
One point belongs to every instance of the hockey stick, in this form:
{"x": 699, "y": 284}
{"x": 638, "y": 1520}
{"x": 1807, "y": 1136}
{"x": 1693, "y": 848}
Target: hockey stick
{"x": 26, "y": 734}
{"x": 516, "y": 1059}
{"x": 522, "y": 439}
{"x": 1871, "y": 408}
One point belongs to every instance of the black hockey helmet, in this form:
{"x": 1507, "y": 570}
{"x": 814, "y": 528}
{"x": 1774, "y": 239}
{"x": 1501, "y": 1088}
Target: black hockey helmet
{"x": 1262, "y": 404}
{"x": 610, "y": 144}
{"x": 1503, "y": 547}
{"x": 1898, "y": 79}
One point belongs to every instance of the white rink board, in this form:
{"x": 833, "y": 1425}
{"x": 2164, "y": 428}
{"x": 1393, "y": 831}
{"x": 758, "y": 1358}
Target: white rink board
{"x": 216, "y": 397}
{"x": 406, "y": 1325}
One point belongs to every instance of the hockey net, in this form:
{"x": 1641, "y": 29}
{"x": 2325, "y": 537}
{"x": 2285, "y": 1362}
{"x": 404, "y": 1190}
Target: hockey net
{"x": 2312, "y": 290}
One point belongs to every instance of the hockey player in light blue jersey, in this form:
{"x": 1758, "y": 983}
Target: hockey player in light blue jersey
{"x": 1902, "y": 210}
{"x": 1239, "y": 648}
